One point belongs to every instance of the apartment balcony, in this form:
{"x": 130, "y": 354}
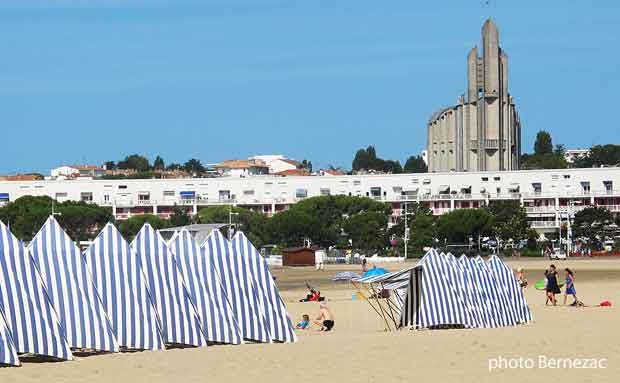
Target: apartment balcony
{"x": 543, "y": 224}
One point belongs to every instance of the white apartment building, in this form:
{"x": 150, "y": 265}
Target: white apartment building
{"x": 548, "y": 195}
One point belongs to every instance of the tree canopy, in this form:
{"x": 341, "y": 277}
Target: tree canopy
{"x": 510, "y": 220}
{"x": 600, "y": 155}
{"x": 159, "y": 164}
{"x": 81, "y": 221}
{"x": 131, "y": 226}
{"x": 366, "y": 159}
{"x": 544, "y": 156}
{"x": 415, "y": 164}
{"x": 459, "y": 225}
{"x": 543, "y": 144}
{"x": 135, "y": 161}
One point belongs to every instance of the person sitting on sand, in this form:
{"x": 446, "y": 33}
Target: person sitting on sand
{"x": 570, "y": 286}
{"x": 552, "y": 285}
{"x": 521, "y": 278}
{"x": 325, "y": 319}
{"x": 305, "y": 322}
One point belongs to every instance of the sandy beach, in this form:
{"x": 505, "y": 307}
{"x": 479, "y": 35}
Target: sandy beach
{"x": 358, "y": 350}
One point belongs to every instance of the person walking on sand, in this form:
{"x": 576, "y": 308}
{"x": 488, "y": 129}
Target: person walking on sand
{"x": 325, "y": 319}
{"x": 570, "y": 286}
{"x": 552, "y": 284}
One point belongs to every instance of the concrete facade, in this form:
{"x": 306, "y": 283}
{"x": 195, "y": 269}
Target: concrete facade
{"x": 547, "y": 195}
{"x": 482, "y": 132}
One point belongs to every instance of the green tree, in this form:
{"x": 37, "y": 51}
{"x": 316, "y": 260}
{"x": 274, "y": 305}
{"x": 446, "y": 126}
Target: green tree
{"x": 159, "y": 164}
{"x": 80, "y": 220}
{"x": 364, "y": 158}
{"x": 590, "y": 221}
{"x": 174, "y": 166}
{"x": 459, "y": 225}
{"x": 136, "y": 162}
{"x": 194, "y": 166}
{"x": 179, "y": 217}
{"x": 510, "y": 220}
{"x": 131, "y": 226}
{"x": 600, "y": 155}
{"x": 26, "y": 215}
{"x": 543, "y": 144}
{"x": 110, "y": 165}
{"x": 422, "y": 230}
{"x": 367, "y": 230}
{"x": 415, "y": 164}
{"x": 252, "y": 224}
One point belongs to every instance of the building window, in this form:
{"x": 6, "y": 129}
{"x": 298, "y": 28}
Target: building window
{"x": 122, "y": 186}
{"x": 585, "y": 186}
{"x": 537, "y": 186}
{"x": 609, "y": 186}
{"x": 566, "y": 176}
{"x": 325, "y": 191}
{"x": 168, "y": 194}
{"x": 106, "y": 198}
{"x": 357, "y": 183}
{"x": 485, "y": 179}
{"x": 144, "y": 196}
{"x": 224, "y": 195}
{"x": 496, "y": 178}
{"x": 301, "y": 193}
{"x": 248, "y": 192}
{"x": 375, "y": 191}
{"x": 86, "y": 197}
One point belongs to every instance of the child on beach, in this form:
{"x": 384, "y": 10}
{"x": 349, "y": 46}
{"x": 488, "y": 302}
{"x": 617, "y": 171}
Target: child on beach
{"x": 570, "y": 286}
{"x": 552, "y": 284}
{"x": 305, "y": 322}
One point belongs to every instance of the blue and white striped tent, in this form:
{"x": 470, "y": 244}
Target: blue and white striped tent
{"x": 70, "y": 286}
{"x": 214, "y": 309}
{"x": 257, "y": 270}
{"x": 445, "y": 291}
{"x": 8, "y": 352}
{"x": 179, "y": 321}
{"x": 34, "y": 325}
{"x": 498, "y": 299}
{"x": 121, "y": 284}
{"x": 239, "y": 288}
{"x": 511, "y": 288}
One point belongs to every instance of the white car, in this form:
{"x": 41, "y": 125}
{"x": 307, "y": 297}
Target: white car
{"x": 557, "y": 254}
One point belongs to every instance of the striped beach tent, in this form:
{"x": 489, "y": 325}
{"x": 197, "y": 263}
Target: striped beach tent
{"x": 239, "y": 288}
{"x": 8, "y": 352}
{"x": 498, "y": 298}
{"x": 257, "y": 270}
{"x": 70, "y": 286}
{"x": 441, "y": 302}
{"x": 478, "y": 284}
{"x": 34, "y": 325}
{"x": 218, "y": 321}
{"x": 508, "y": 282}
{"x": 445, "y": 291}
{"x": 121, "y": 284}
{"x": 179, "y": 320}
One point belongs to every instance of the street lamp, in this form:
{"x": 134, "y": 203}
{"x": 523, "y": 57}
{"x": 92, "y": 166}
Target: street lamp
{"x": 406, "y": 237}
{"x": 230, "y": 215}
{"x": 569, "y": 230}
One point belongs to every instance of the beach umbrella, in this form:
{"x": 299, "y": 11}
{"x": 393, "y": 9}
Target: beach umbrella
{"x": 71, "y": 289}
{"x": 28, "y": 310}
{"x": 374, "y": 272}
{"x": 345, "y": 276}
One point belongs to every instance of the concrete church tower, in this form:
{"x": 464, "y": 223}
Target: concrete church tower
{"x": 485, "y": 126}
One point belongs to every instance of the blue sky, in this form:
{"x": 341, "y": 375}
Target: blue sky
{"x": 84, "y": 81}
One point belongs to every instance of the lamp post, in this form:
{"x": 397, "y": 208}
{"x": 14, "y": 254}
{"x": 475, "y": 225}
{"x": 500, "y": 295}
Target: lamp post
{"x": 569, "y": 230}
{"x": 230, "y": 215}
{"x": 406, "y": 234}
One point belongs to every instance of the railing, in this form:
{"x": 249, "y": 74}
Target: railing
{"x": 543, "y": 224}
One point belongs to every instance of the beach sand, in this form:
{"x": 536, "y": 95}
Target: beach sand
{"x": 358, "y": 350}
